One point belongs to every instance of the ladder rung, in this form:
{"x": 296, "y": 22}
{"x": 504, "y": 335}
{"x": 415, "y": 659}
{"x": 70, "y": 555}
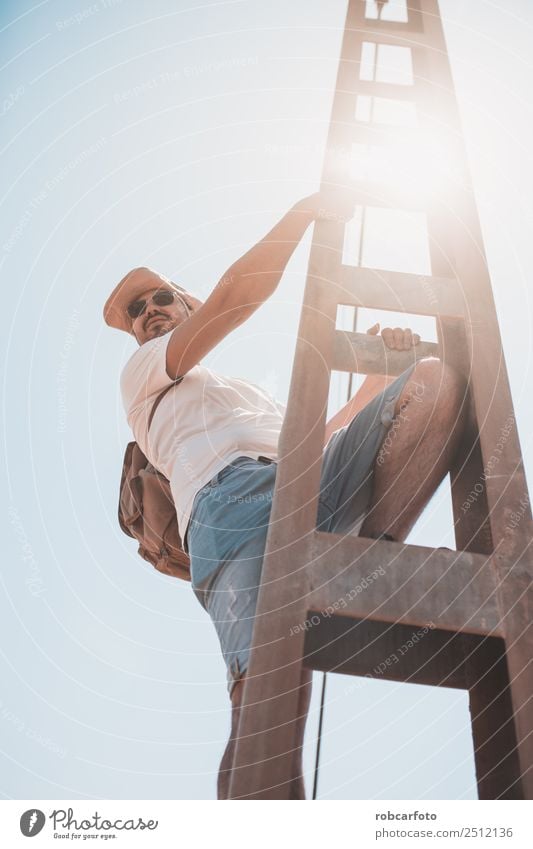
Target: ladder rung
{"x": 391, "y": 652}
{"x": 382, "y": 194}
{"x": 383, "y": 134}
{"x": 413, "y": 24}
{"x": 404, "y": 37}
{"x": 391, "y": 91}
{"x": 399, "y": 292}
{"x": 361, "y": 353}
{"x": 456, "y": 590}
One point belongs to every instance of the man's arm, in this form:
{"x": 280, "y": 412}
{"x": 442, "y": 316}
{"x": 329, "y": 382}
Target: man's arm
{"x": 245, "y": 286}
{"x": 397, "y": 339}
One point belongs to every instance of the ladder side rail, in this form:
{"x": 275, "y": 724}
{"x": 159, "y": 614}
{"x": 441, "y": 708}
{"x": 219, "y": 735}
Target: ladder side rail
{"x": 495, "y": 464}
{"x": 458, "y": 230}
{"x": 264, "y": 754}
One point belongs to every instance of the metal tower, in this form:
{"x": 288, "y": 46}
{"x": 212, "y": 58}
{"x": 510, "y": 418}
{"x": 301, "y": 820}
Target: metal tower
{"x": 479, "y": 597}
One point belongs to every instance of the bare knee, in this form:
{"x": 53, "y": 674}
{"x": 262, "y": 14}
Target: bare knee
{"x": 433, "y": 373}
{"x": 435, "y": 384}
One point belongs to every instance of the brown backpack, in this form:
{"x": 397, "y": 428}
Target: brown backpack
{"x": 146, "y": 510}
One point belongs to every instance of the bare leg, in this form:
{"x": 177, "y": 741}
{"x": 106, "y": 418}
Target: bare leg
{"x": 418, "y": 450}
{"x": 297, "y": 789}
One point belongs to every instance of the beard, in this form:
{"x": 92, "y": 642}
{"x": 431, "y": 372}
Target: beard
{"x": 159, "y": 327}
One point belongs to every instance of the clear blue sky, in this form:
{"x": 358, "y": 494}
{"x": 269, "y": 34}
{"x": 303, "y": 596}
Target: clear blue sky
{"x": 175, "y": 134}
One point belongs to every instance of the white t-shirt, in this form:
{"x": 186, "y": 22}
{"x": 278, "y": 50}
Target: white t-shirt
{"x": 201, "y": 425}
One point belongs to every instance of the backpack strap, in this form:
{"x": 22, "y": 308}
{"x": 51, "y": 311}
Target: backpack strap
{"x": 160, "y": 398}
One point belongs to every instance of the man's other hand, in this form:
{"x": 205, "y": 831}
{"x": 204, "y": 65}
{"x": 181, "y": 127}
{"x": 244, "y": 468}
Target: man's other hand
{"x": 396, "y": 338}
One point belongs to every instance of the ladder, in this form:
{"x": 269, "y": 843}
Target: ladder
{"x": 480, "y": 597}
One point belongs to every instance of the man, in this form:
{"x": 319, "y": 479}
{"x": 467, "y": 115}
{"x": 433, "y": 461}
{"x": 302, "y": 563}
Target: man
{"x": 215, "y": 438}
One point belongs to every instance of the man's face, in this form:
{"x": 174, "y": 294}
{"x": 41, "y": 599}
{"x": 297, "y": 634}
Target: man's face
{"x": 157, "y": 320}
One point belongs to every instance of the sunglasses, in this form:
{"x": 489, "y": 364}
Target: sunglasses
{"x": 162, "y": 299}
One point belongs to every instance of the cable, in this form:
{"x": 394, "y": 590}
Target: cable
{"x": 319, "y": 739}
{"x": 349, "y": 395}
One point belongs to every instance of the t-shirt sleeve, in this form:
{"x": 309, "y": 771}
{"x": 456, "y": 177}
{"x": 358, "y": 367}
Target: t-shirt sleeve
{"x": 145, "y": 375}
{"x": 281, "y": 407}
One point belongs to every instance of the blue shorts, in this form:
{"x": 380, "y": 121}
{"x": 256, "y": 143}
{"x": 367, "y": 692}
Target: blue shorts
{"x": 230, "y": 515}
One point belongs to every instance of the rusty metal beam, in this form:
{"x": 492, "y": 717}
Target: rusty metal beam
{"x": 364, "y": 354}
{"x": 387, "y": 652}
{"x": 390, "y": 91}
{"x": 375, "y": 194}
{"x": 359, "y": 132}
{"x": 414, "y": 585}
{"x": 420, "y": 294}
{"x": 495, "y": 475}
{"x": 485, "y": 589}
{"x": 414, "y": 23}
{"x": 491, "y": 712}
